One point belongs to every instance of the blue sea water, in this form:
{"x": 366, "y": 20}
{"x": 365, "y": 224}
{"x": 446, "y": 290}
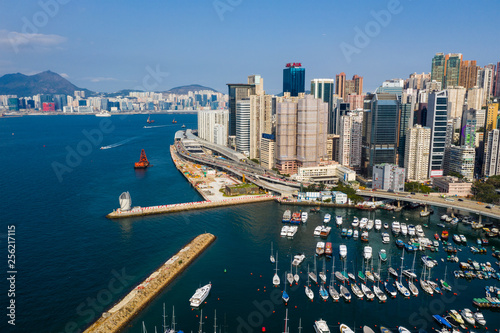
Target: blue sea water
{"x": 72, "y": 263}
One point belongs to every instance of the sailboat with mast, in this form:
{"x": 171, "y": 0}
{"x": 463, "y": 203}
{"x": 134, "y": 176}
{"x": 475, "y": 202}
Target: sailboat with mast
{"x": 313, "y": 275}
{"x": 343, "y": 289}
{"x": 413, "y": 288}
{"x": 287, "y": 329}
{"x": 423, "y": 283}
{"x": 165, "y": 328}
{"x": 271, "y": 257}
{"x": 296, "y": 277}
{"x": 443, "y": 282}
{"x": 309, "y": 292}
{"x": 432, "y": 284}
{"x": 201, "y": 322}
{"x": 289, "y": 275}
{"x": 331, "y": 289}
{"x": 276, "y": 278}
{"x": 399, "y": 285}
{"x": 382, "y": 297}
{"x": 322, "y": 274}
{"x": 284, "y": 295}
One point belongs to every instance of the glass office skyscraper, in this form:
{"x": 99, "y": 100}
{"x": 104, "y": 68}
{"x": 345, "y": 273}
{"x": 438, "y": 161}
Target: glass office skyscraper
{"x": 294, "y": 79}
{"x": 380, "y": 131}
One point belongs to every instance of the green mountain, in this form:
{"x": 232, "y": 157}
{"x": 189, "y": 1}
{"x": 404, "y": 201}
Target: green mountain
{"x": 42, "y": 83}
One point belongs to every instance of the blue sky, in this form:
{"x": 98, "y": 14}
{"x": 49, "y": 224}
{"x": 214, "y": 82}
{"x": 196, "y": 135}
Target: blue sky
{"x": 113, "y": 45}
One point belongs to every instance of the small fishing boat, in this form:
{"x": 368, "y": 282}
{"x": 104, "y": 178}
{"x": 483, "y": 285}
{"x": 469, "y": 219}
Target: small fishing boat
{"x": 468, "y": 316}
{"x": 323, "y": 293}
{"x": 327, "y": 218}
{"x": 320, "y": 326}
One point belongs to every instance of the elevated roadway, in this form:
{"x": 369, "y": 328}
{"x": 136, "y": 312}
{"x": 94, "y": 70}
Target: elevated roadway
{"x": 429, "y": 199}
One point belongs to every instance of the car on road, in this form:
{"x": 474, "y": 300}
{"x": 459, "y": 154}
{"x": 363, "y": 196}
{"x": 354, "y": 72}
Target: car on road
{"x": 488, "y": 206}
{"x": 460, "y": 199}
{"x": 413, "y": 193}
{"x": 449, "y": 199}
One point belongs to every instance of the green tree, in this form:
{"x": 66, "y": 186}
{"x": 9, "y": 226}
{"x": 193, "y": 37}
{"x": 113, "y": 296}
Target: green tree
{"x": 455, "y": 174}
{"x": 485, "y": 192}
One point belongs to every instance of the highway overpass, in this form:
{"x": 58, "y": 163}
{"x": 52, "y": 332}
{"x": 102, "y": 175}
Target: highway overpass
{"x": 452, "y": 202}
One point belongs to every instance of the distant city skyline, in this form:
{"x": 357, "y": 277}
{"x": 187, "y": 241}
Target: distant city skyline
{"x": 107, "y": 47}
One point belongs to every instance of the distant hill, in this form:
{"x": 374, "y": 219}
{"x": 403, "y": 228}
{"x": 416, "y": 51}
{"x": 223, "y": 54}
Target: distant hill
{"x": 182, "y": 90}
{"x": 42, "y": 83}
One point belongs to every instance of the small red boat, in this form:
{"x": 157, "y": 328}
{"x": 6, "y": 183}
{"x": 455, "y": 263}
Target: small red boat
{"x": 328, "y": 249}
{"x": 444, "y": 235}
{"x": 436, "y": 236}
{"x": 143, "y": 161}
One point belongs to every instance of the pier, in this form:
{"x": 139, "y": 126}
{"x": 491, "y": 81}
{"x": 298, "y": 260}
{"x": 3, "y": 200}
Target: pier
{"x": 174, "y": 208}
{"x": 125, "y": 310}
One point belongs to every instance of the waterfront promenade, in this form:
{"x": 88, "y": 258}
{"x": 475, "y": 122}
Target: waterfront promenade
{"x": 124, "y": 311}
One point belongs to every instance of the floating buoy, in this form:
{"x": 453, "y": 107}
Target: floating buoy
{"x": 263, "y": 329}
{"x": 225, "y": 270}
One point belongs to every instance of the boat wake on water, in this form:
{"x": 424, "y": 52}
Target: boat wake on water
{"x": 156, "y": 126}
{"x": 121, "y": 143}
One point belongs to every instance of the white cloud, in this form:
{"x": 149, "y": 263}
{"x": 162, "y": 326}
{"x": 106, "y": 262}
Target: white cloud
{"x": 19, "y": 40}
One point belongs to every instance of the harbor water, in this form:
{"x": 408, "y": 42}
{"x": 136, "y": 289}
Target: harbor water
{"x": 72, "y": 263}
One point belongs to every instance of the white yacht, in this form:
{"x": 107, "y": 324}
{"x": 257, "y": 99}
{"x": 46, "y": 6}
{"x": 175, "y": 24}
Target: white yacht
{"x": 317, "y": 230}
{"x": 378, "y": 224}
{"x": 363, "y": 223}
{"x": 478, "y": 316}
{"x": 355, "y": 222}
{"x": 292, "y": 230}
{"x": 304, "y": 217}
{"x": 386, "y": 238}
{"x": 338, "y": 220}
{"x": 369, "y": 225}
{"x": 320, "y": 326}
{"x": 468, "y": 316}
{"x": 342, "y": 251}
{"x": 404, "y": 229}
{"x": 396, "y": 227}
{"x": 411, "y": 230}
{"x": 298, "y": 259}
{"x": 367, "y": 253}
{"x": 327, "y": 218}
{"x": 200, "y": 295}
{"x": 284, "y": 230}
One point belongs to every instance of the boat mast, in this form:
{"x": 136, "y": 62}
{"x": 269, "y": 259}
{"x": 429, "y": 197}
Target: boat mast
{"x": 201, "y": 322}
{"x": 276, "y": 262}
{"x": 173, "y": 318}
{"x": 215, "y": 322}
{"x": 164, "y": 317}
{"x": 300, "y": 325}
{"x": 401, "y": 269}
{"x": 286, "y": 321}
{"x": 333, "y": 272}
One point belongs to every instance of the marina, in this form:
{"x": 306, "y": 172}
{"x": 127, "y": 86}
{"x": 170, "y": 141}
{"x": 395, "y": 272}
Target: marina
{"x": 141, "y": 244}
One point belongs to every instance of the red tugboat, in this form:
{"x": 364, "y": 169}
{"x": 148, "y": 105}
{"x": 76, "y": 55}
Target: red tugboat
{"x": 143, "y": 161}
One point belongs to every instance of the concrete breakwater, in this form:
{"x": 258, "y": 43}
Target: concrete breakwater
{"x": 121, "y": 313}
{"x": 163, "y": 209}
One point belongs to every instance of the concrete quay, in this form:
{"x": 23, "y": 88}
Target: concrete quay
{"x": 116, "y": 318}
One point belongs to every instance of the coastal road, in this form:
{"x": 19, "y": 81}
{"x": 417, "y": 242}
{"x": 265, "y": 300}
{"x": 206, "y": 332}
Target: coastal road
{"x": 450, "y": 202}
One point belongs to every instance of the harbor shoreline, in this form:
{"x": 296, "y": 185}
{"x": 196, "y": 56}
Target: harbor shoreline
{"x": 116, "y": 318}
